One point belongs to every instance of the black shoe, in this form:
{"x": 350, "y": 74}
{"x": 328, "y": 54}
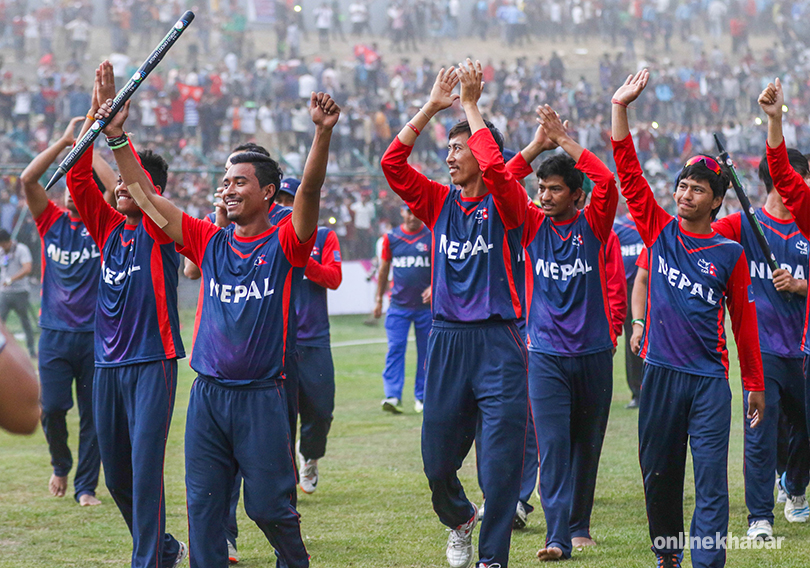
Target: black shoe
{"x": 632, "y": 404}
{"x": 670, "y": 560}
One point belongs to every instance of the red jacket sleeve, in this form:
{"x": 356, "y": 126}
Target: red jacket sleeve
{"x": 519, "y": 167}
{"x": 729, "y": 227}
{"x": 327, "y": 273}
{"x": 650, "y": 217}
{"x": 296, "y": 252}
{"x": 98, "y": 216}
{"x": 509, "y": 195}
{"x": 601, "y": 211}
{"x": 643, "y": 260}
{"x": 196, "y": 236}
{"x": 47, "y": 218}
{"x": 534, "y": 218}
{"x": 152, "y": 229}
{"x": 385, "y": 254}
{"x": 790, "y": 185}
{"x": 616, "y": 283}
{"x": 424, "y": 197}
{"x": 743, "y": 311}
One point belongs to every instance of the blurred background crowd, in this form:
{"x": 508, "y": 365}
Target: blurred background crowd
{"x": 245, "y": 68}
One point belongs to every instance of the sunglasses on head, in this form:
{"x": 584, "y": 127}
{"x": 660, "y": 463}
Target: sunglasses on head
{"x": 710, "y": 163}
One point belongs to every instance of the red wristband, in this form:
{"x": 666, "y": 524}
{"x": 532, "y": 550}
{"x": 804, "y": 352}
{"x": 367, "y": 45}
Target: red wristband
{"x": 618, "y": 102}
{"x": 414, "y": 129}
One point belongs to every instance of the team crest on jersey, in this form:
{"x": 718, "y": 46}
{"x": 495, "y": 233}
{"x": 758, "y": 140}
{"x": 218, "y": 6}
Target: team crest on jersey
{"x": 260, "y": 261}
{"x": 707, "y": 267}
{"x": 577, "y": 240}
{"x": 315, "y": 251}
{"x": 481, "y": 215}
{"x": 86, "y": 233}
{"x": 421, "y": 247}
{"x": 802, "y": 246}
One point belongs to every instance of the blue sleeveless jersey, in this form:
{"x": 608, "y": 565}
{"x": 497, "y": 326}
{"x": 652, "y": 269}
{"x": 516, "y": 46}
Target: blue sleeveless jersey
{"x": 686, "y": 301}
{"x": 71, "y": 265}
{"x": 781, "y": 322}
{"x": 568, "y": 311}
{"x": 630, "y": 242}
{"x": 310, "y": 304}
{"x": 248, "y": 294}
{"x": 409, "y": 255}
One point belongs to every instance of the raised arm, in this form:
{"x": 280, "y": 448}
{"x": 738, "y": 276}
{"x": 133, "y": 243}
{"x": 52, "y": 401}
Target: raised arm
{"x": 787, "y": 181}
{"x": 160, "y": 210}
{"x": 649, "y": 217}
{"x": 324, "y": 113}
{"x": 35, "y": 194}
{"x": 508, "y": 193}
{"x": 107, "y": 175}
{"x": 601, "y": 212}
{"x": 521, "y": 165}
{"x": 423, "y": 196}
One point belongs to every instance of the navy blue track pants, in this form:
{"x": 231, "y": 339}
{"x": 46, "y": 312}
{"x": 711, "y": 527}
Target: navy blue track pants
{"x": 132, "y": 409}
{"x": 291, "y": 390}
{"x": 476, "y": 370}
{"x": 65, "y": 356}
{"x": 784, "y": 385}
{"x": 244, "y": 429}
{"x": 570, "y": 399}
{"x": 677, "y": 408}
{"x": 316, "y": 398}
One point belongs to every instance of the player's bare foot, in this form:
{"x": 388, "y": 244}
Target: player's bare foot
{"x": 550, "y": 553}
{"x": 88, "y": 500}
{"x": 57, "y": 485}
{"x": 582, "y": 542}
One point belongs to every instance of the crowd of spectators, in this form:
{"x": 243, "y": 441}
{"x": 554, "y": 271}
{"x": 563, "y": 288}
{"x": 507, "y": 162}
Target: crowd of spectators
{"x": 221, "y": 91}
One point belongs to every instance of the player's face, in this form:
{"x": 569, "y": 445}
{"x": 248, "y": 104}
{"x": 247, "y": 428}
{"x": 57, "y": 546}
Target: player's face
{"x": 462, "y": 164}
{"x": 243, "y": 196}
{"x": 556, "y": 198}
{"x": 695, "y": 199}
{"x": 123, "y": 200}
{"x": 284, "y": 199}
{"x": 409, "y": 220}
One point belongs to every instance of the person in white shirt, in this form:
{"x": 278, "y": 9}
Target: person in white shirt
{"x": 323, "y": 23}
{"x": 15, "y": 266}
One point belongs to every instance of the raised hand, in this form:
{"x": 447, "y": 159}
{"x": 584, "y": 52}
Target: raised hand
{"x": 323, "y": 110}
{"x": 632, "y": 87}
{"x": 104, "y": 88}
{"x": 471, "y": 78}
{"x": 68, "y": 138}
{"x": 116, "y": 126}
{"x": 441, "y": 95}
{"x": 554, "y": 129}
{"x": 772, "y": 99}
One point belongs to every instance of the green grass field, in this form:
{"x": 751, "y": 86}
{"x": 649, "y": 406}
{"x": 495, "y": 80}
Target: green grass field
{"x": 372, "y": 507}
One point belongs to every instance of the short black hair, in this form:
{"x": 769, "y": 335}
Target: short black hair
{"x": 251, "y": 147}
{"x": 4, "y": 236}
{"x": 701, "y": 172}
{"x": 463, "y": 127}
{"x": 156, "y": 167}
{"x": 267, "y": 170}
{"x": 564, "y": 166}
{"x": 798, "y": 162}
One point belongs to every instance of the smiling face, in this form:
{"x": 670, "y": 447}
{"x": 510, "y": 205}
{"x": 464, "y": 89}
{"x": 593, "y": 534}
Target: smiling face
{"x": 124, "y": 202}
{"x": 244, "y": 198}
{"x": 463, "y": 166}
{"x": 695, "y": 199}
{"x": 556, "y": 198}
